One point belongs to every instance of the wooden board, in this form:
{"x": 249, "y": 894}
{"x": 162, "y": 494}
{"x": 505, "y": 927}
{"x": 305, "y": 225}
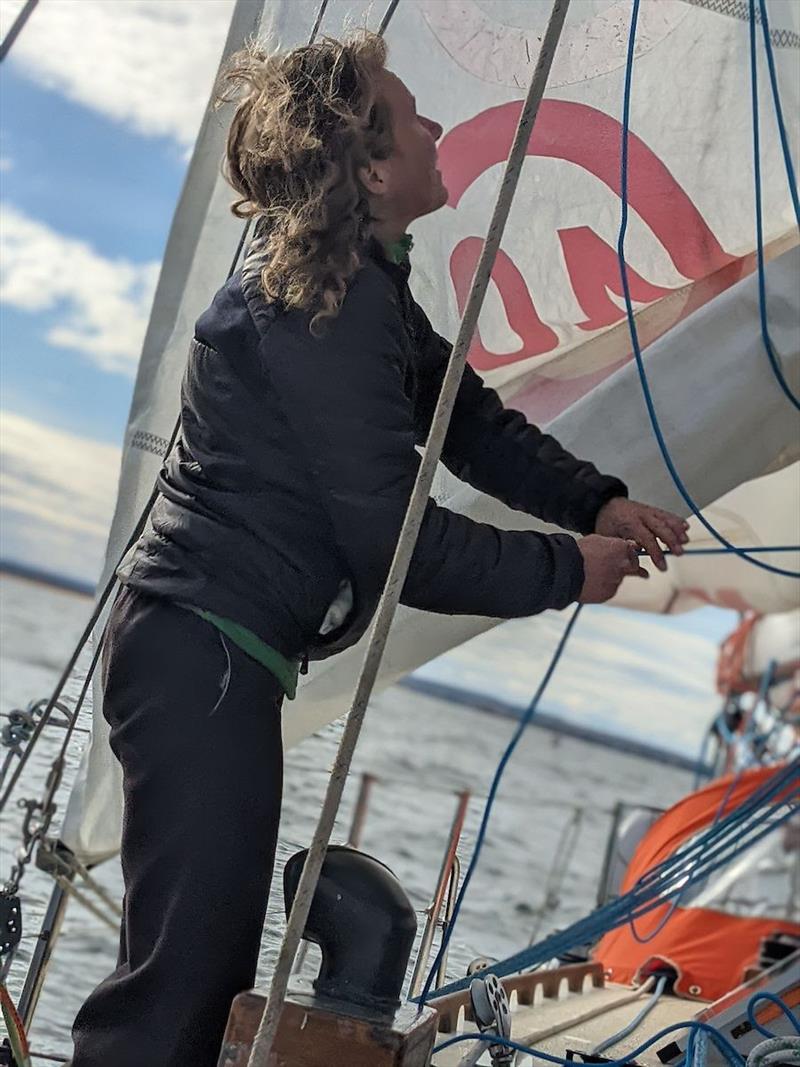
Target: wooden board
{"x": 317, "y": 1032}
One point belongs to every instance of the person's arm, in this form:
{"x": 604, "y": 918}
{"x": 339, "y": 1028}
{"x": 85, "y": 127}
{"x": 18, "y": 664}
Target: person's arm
{"x": 497, "y": 451}
{"x": 343, "y": 397}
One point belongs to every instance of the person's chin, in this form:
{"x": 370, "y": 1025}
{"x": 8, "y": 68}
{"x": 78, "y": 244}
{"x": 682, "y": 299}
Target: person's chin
{"x": 440, "y": 194}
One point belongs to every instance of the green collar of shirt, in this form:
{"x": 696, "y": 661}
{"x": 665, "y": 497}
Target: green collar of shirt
{"x": 399, "y": 251}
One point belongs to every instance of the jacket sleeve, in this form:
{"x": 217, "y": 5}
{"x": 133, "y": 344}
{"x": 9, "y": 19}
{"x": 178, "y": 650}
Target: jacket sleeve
{"x": 344, "y": 399}
{"x": 496, "y": 450}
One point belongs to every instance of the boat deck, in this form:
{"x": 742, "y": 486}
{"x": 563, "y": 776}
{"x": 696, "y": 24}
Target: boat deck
{"x": 579, "y": 1020}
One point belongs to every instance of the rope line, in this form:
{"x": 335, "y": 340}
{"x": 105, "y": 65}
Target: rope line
{"x": 635, "y": 1022}
{"x": 776, "y": 99}
{"x": 487, "y": 811}
{"x": 726, "y": 1049}
{"x": 634, "y": 333}
{"x": 765, "y": 810}
{"x": 771, "y": 999}
{"x": 390, "y": 597}
{"x": 774, "y": 362}
{"x": 644, "y": 939}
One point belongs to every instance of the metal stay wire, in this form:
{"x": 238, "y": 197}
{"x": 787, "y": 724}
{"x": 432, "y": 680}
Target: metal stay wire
{"x": 16, "y": 28}
{"x": 262, "y": 1046}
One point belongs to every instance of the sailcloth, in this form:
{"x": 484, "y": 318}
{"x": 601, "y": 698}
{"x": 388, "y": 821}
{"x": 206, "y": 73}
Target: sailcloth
{"x": 552, "y": 335}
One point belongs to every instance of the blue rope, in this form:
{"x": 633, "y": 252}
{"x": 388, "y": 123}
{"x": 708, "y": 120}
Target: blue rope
{"x": 487, "y": 811}
{"x": 764, "y": 810}
{"x": 787, "y": 1011}
{"x": 632, "y": 324}
{"x": 636, "y": 1021}
{"x": 722, "y": 551}
{"x": 726, "y": 1049}
{"x": 645, "y": 939}
{"x": 777, "y": 370}
{"x": 776, "y": 99}
{"x": 695, "y": 1052}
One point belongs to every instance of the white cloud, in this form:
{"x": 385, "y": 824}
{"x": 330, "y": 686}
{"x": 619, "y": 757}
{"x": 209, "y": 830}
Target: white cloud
{"x": 6, "y": 164}
{"x": 147, "y": 63}
{"x": 103, "y": 303}
{"x": 58, "y": 492}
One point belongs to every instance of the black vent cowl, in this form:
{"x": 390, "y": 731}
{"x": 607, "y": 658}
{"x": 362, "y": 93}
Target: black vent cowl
{"x": 363, "y": 922}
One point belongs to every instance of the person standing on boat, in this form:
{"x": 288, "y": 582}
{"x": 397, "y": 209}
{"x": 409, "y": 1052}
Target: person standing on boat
{"x": 312, "y": 378}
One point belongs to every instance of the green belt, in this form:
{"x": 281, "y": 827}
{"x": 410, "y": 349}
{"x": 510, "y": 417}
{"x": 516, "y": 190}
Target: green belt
{"x": 285, "y": 670}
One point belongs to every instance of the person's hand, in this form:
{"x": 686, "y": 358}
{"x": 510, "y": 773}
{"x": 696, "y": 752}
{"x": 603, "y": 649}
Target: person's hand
{"x": 645, "y": 525}
{"x": 606, "y": 561}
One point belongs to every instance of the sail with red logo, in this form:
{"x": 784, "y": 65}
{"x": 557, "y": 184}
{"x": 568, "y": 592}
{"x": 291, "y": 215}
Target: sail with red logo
{"x": 552, "y": 336}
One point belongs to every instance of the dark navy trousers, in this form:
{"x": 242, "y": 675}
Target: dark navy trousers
{"x": 195, "y": 724}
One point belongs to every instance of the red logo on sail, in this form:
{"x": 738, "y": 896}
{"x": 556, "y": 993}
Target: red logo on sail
{"x": 590, "y": 139}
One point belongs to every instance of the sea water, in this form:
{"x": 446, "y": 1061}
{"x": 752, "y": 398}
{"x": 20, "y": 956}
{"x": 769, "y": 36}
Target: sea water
{"x": 423, "y": 751}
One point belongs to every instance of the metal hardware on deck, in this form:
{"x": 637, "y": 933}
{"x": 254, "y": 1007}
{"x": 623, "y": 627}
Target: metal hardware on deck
{"x": 525, "y": 987}
{"x": 449, "y": 908}
{"x": 492, "y": 1014}
{"x": 20, "y": 727}
{"x": 450, "y": 871}
{"x": 10, "y": 929}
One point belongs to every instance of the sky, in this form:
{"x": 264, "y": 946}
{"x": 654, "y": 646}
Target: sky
{"x": 99, "y": 106}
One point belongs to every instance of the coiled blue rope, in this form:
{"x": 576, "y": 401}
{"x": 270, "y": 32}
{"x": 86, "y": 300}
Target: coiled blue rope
{"x": 777, "y": 370}
{"x": 637, "y": 352}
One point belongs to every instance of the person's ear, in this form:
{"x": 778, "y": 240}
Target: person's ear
{"x": 375, "y": 177}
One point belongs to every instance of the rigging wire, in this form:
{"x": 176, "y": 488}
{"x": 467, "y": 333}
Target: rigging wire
{"x": 387, "y": 17}
{"x": 637, "y": 352}
{"x": 317, "y": 21}
{"x": 16, "y": 28}
{"x": 774, "y": 361}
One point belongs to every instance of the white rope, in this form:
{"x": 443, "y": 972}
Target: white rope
{"x": 262, "y": 1045}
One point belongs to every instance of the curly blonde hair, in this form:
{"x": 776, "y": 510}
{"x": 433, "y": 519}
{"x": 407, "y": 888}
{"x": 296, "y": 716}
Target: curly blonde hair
{"x": 305, "y": 121}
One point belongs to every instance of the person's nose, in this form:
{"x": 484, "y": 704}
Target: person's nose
{"x": 433, "y": 128}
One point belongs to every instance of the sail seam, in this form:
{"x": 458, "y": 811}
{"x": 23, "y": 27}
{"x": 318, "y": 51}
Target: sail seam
{"x": 738, "y": 9}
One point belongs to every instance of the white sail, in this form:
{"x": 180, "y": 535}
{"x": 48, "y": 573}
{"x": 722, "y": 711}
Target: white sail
{"x": 761, "y": 513}
{"x": 552, "y": 335}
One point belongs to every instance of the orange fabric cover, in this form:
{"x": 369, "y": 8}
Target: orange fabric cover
{"x": 710, "y": 950}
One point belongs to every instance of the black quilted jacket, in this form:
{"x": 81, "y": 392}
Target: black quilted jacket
{"x": 296, "y": 459}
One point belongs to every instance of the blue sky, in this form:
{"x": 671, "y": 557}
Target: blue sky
{"x": 99, "y": 107}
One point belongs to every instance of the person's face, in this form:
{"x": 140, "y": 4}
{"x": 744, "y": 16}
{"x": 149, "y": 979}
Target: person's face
{"x": 408, "y": 184}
